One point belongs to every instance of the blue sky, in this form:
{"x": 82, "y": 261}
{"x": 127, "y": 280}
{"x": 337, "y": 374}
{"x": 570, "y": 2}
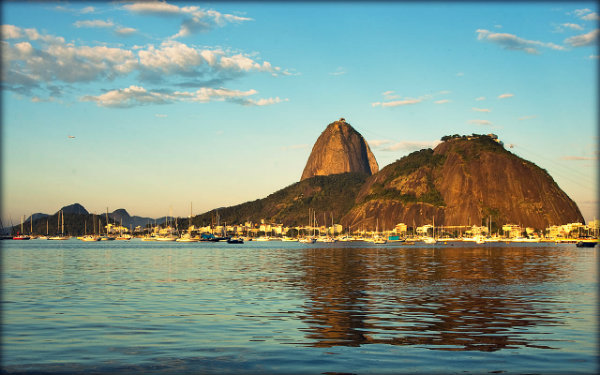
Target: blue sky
{"x": 220, "y": 103}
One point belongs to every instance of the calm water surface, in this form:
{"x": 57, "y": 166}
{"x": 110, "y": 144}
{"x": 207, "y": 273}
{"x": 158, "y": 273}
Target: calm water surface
{"x": 148, "y": 307}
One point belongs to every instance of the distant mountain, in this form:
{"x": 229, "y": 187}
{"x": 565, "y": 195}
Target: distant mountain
{"x": 37, "y": 216}
{"x": 340, "y": 149}
{"x": 74, "y": 208}
{"x": 122, "y": 216}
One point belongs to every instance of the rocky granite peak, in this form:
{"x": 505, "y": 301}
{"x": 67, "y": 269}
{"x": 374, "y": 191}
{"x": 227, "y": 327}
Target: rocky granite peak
{"x": 340, "y": 149}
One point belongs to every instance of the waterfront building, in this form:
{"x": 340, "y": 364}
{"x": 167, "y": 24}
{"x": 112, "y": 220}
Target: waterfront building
{"x": 512, "y": 230}
{"x": 400, "y": 229}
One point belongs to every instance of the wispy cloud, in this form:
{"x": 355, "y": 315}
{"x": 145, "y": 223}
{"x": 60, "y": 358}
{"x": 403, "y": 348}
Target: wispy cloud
{"x": 160, "y": 115}
{"x": 583, "y": 40}
{"x": 442, "y": 101}
{"x": 338, "y": 72}
{"x": 572, "y": 26}
{"x": 513, "y": 42}
{"x": 376, "y": 143}
{"x": 591, "y": 17}
{"x": 523, "y": 118}
{"x": 397, "y": 103}
{"x": 505, "y": 96}
{"x": 125, "y": 31}
{"x": 460, "y": 74}
{"x": 481, "y": 109}
{"x": 580, "y": 12}
{"x": 88, "y": 9}
{"x": 480, "y": 98}
{"x": 593, "y": 56}
{"x": 133, "y": 96}
{"x": 390, "y": 99}
{"x": 410, "y": 146}
{"x": 579, "y": 158}
{"x": 194, "y": 19}
{"x": 94, "y": 24}
{"x": 480, "y": 122}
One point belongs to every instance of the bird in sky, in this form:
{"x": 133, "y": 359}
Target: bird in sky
{"x": 71, "y": 136}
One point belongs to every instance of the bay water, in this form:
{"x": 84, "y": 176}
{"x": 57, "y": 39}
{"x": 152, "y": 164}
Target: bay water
{"x": 292, "y": 308}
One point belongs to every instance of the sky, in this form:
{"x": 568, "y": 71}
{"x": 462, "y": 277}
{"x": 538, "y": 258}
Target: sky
{"x": 163, "y": 108}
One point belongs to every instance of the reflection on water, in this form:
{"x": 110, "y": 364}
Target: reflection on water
{"x": 275, "y": 308}
{"x": 446, "y": 298}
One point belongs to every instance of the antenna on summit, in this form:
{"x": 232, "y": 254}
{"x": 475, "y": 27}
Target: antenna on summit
{"x": 342, "y": 119}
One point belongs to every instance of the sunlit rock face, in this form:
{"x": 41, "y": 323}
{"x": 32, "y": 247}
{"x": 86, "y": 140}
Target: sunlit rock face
{"x": 463, "y": 181}
{"x": 340, "y": 149}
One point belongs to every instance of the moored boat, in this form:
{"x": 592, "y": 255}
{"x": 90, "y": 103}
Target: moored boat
{"x": 587, "y": 242}
{"x": 21, "y": 237}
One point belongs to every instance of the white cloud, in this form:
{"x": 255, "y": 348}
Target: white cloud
{"x": 396, "y": 103}
{"x": 153, "y": 7}
{"x": 591, "y": 17}
{"x": 160, "y": 115}
{"x": 88, "y": 9}
{"x": 460, "y": 74}
{"x": 128, "y": 97}
{"x": 411, "y": 145}
{"x": 375, "y": 143}
{"x": 480, "y": 98}
{"x": 263, "y": 102}
{"x": 47, "y": 59}
{"x": 10, "y": 32}
{"x": 526, "y": 118}
{"x": 480, "y": 122}
{"x": 125, "y": 31}
{"x": 513, "y": 42}
{"x": 588, "y": 39}
{"x": 504, "y": 96}
{"x": 136, "y": 96}
{"x": 93, "y": 23}
{"x": 170, "y": 58}
{"x": 390, "y": 99}
{"x": 580, "y": 12}
{"x": 32, "y": 61}
{"x": 593, "y": 56}
{"x": 194, "y": 19}
{"x": 573, "y": 26}
{"x": 481, "y": 109}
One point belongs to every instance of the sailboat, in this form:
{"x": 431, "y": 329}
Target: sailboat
{"x": 45, "y": 237}
{"x": 61, "y": 236}
{"x": 20, "y": 235}
{"x": 377, "y": 239}
{"x": 309, "y": 239}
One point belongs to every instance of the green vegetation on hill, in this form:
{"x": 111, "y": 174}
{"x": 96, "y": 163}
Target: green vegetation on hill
{"x": 333, "y": 195}
{"x": 404, "y": 167}
{"x": 471, "y": 146}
